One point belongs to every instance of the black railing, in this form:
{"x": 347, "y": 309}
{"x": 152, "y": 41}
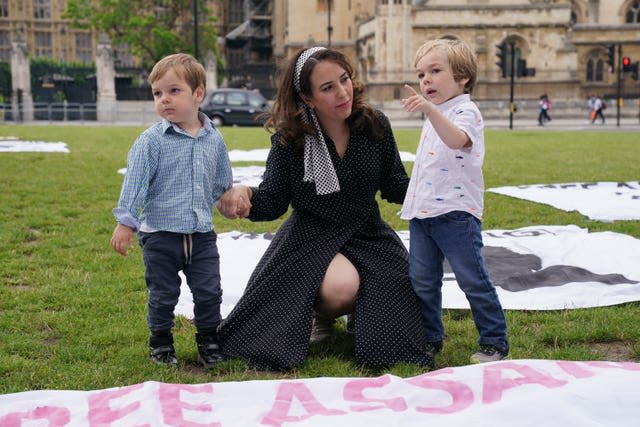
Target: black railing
{"x": 54, "y": 111}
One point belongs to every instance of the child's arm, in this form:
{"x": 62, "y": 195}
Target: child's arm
{"x": 122, "y": 239}
{"x": 448, "y": 132}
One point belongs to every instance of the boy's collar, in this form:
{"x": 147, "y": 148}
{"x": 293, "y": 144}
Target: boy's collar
{"x": 454, "y": 101}
{"x": 205, "y": 122}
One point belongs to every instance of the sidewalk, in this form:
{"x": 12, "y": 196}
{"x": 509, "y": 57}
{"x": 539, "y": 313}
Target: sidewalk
{"x": 626, "y": 124}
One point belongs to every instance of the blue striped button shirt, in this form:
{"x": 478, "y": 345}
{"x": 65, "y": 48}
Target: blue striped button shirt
{"x": 174, "y": 179}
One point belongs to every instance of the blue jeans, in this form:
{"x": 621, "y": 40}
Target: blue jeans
{"x": 457, "y": 237}
{"x": 165, "y": 254}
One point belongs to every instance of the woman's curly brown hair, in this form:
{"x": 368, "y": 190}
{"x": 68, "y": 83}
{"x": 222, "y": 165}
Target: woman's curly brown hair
{"x": 286, "y": 114}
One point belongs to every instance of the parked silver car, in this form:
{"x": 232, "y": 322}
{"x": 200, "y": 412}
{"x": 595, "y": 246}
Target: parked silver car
{"x": 235, "y": 107}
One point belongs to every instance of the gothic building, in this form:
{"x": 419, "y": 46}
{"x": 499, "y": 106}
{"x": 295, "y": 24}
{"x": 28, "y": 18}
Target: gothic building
{"x": 568, "y": 48}
{"x": 565, "y": 45}
{"x": 572, "y": 48}
{"x": 248, "y": 46}
{"x": 42, "y": 26}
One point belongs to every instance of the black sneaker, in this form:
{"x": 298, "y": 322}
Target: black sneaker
{"x": 489, "y": 353}
{"x": 208, "y": 350}
{"x": 163, "y": 355}
{"x": 432, "y": 348}
{"x": 321, "y": 328}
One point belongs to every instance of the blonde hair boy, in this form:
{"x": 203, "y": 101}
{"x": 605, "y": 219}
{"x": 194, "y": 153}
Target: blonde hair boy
{"x": 444, "y": 200}
{"x": 184, "y": 65}
{"x": 462, "y": 60}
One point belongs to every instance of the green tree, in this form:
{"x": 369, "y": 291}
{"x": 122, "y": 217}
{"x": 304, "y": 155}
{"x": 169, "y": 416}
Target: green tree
{"x": 151, "y": 28}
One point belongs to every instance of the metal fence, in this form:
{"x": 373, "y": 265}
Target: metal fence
{"x": 143, "y": 112}
{"x": 120, "y": 112}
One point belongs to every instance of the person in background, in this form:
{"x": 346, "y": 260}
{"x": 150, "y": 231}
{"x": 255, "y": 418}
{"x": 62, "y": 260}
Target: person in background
{"x": 545, "y": 106}
{"x": 597, "y": 109}
{"x": 444, "y": 201}
{"x": 591, "y": 100}
{"x": 330, "y": 155}
{"x": 176, "y": 171}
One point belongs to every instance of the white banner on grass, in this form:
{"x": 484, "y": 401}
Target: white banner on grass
{"x": 11, "y": 144}
{"x": 533, "y": 268}
{"x": 257, "y": 155}
{"x": 248, "y": 175}
{"x": 600, "y": 201}
{"x": 260, "y": 155}
{"x": 245, "y": 175}
{"x": 508, "y": 393}
{"x": 252, "y": 175}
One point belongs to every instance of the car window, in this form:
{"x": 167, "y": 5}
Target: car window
{"x": 217, "y": 98}
{"x": 236, "y": 98}
{"x": 255, "y": 100}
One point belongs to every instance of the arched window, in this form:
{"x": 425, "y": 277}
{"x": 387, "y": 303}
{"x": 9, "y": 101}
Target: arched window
{"x": 596, "y": 68}
{"x": 599, "y": 70}
{"x": 633, "y": 13}
{"x": 577, "y": 16}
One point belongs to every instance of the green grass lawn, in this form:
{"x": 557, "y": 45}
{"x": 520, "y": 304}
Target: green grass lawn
{"x": 72, "y": 311}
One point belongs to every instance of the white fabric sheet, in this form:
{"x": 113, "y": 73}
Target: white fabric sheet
{"x": 260, "y": 155}
{"x": 600, "y": 201}
{"x": 14, "y": 145}
{"x": 522, "y": 393}
{"x": 534, "y": 268}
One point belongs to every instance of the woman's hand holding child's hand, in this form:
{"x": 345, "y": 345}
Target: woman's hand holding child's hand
{"x": 235, "y": 202}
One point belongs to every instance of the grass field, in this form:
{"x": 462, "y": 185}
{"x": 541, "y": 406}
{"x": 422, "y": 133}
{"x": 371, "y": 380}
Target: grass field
{"x": 72, "y": 311}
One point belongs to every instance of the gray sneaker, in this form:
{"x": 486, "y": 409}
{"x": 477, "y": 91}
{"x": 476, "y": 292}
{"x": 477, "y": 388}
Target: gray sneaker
{"x": 489, "y": 353}
{"x": 321, "y": 328}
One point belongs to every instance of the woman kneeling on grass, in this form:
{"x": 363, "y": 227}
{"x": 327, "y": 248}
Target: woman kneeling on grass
{"x": 331, "y": 153}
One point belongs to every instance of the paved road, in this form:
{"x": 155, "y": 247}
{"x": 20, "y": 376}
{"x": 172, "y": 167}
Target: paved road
{"x": 626, "y": 124}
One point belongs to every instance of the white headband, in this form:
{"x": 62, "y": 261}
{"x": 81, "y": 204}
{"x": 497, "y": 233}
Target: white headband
{"x": 302, "y": 59}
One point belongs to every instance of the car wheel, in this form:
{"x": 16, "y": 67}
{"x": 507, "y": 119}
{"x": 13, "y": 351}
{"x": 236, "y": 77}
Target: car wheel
{"x": 217, "y": 121}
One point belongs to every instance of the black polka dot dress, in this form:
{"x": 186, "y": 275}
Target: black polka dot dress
{"x": 270, "y": 326}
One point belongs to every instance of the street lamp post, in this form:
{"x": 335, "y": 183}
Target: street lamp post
{"x": 619, "y": 77}
{"x": 512, "y": 50}
{"x": 194, "y": 6}
{"x": 329, "y": 27}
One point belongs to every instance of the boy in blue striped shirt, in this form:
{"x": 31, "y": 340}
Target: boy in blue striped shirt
{"x": 177, "y": 169}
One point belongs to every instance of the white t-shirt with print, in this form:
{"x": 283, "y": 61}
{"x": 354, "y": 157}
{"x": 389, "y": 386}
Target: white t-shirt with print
{"x": 444, "y": 179}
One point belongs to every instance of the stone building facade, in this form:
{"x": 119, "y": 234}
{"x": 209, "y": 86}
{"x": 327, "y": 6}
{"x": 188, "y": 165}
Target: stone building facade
{"x": 47, "y": 33}
{"x": 42, "y": 26}
{"x": 566, "y": 42}
{"x": 298, "y": 24}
